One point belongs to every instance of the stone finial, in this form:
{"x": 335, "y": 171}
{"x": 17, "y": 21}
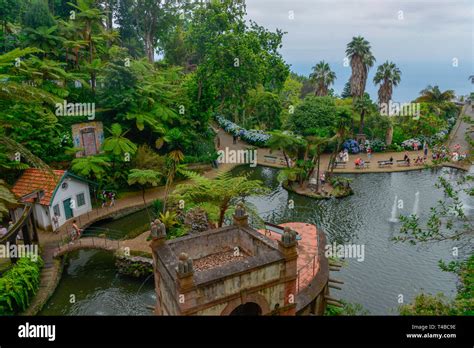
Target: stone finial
{"x": 289, "y": 237}
{"x": 240, "y": 210}
{"x": 158, "y": 229}
{"x": 185, "y": 264}
{"x": 240, "y": 215}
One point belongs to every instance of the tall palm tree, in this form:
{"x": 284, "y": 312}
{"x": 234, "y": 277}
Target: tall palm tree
{"x": 363, "y": 105}
{"x": 388, "y": 76}
{"x": 358, "y": 51}
{"x": 323, "y": 77}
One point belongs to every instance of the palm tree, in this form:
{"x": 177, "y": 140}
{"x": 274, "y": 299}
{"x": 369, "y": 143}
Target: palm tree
{"x": 388, "y": 76}
{"x": 434, "y": 95}
{"x": 363, "y": 105}
{"x": 144, "y": 178}
{"x": 358, "y": 51}
{"x": 289, "y": 144}
{"x": 90, "y": 166}
{"x": 342, "y": 129}
{"x": 437, "y": 99}
{"x": 218, "y": 192}
{"x": 315, "y": 146}
{"x": 323, "y": 77}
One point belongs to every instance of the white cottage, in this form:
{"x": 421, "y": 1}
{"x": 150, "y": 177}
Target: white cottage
{"x": 65, "y": 195}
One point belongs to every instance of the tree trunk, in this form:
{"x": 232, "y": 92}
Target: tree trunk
{"x": 389, "y": 136}
{"x": 286, "y": 159}
{"x": 362, "y": 116}
{"x": 223, "y": 209}
{"x": 149, "y": 48}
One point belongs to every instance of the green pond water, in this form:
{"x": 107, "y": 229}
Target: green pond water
{"x": 387, "y": 271}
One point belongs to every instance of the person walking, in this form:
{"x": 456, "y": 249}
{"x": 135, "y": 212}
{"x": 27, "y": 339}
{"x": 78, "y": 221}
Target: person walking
{"x": 234, "y": 139}
{"x": 112, "y": 199}
{"x": 369, "y": 152}
{"x": 425, "y": 150}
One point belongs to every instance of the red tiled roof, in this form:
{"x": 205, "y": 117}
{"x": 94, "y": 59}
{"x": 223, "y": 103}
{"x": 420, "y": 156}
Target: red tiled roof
{"x": 33, "y": 179}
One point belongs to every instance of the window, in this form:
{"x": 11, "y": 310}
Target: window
{"x": 81, "y": 199}
{"x": 56, "y": 210}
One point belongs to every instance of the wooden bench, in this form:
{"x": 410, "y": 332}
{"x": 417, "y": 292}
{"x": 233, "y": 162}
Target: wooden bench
{"x": 338, "y": 164}
{"x": 366, "y": 165}
{"x": 402, "y": 163}
{"x": 271, "y": 159}
{"x": 383, "y": 164}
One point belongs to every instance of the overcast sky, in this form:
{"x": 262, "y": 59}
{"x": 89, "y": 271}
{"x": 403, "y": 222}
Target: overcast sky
{"x": 422, "y": 37}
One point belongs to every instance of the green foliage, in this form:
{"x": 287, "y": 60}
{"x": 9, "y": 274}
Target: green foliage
{"x": 219, "y": 191}
{"x": 263, "y": 110}
{"x": 144, "y": 177}
{"x": 463, "y": 304}
{"x": 117, "y": 144}
{"x": 157, "y": 207}
{"x": 92, "y": 167}
{"x": 314, "y": 113}
{"x": 348, "y": 309}
{"x": 6, "y": 198}
{"x": 169, "y": 219}
{"x": 38, "y": 15}
{"x": 18, "y": 285}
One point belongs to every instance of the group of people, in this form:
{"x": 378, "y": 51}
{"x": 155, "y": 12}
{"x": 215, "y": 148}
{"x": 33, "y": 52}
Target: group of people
{"x": 359, "y": 162}
{"x": 442, "y": 153}
{"x": 343, "y": 156}
{"x": 107, "y": 196}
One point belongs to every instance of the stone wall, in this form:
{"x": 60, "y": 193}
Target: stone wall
{"x": 134, "y": 266}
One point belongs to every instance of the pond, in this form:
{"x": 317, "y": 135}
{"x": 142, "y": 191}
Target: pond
{"x": 388, "y": 270}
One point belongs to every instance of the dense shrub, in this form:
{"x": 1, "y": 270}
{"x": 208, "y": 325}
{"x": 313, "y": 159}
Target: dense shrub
{"x": 18, "y": 285}
{"x": 377, "y": 145}
{"x": 314, "y": 112}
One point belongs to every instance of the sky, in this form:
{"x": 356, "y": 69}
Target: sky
{"x": 432, "y": 42}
